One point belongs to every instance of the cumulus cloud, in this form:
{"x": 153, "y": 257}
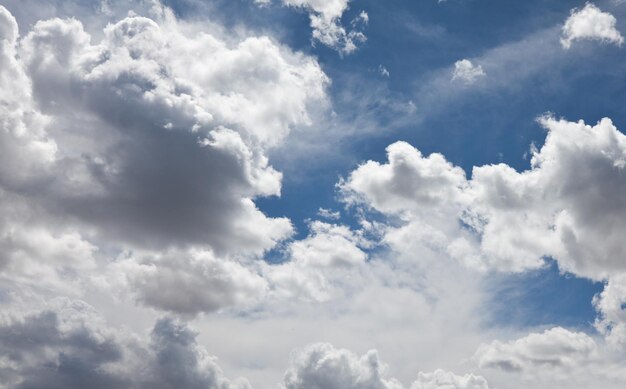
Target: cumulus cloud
{"x": 566, "y": 206}
{"x": 571, "y": 194}
{"x": 152, "y": 145}
{"x": 151, "y": 142}
{"x": 466, "y": 72}
{"x": 409, "y": 183}
{"x": 325, "y": 18}
{"x": 68, "y": 345}
{"x": 322, "y": 366}
{"x": 180, "y": 363}
{"x": 610, "y": 304}
{"x": 553, "y": 348}
{"x": 186, "y": 282}
{"x": 36, "y": 251}
{"x": 319, "y": 265}
{"x": 154, "y": 138}
{"x": 556, "y": 357}
{"x": 562, "y": 207}
{"x": 592, "y": 23}
{"x": 26, "y": 150}
{"x": 136, "y": 157}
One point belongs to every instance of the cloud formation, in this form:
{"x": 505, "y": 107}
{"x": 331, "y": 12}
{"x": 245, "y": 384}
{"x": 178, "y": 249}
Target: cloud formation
{"x": 440, "y": 379}
{"x": 610, "y": 304}
{"x": 320, "y": 265}
{"x": 186, "y": 282}
{"x": 153, "y": 148}
{"x": 67, "y": 345}
{"x": 466, "y": 72}
{"x": 131, "y": 164}
{"x": 326, "y": 23}
{"x": 154, "y": 138}
{"x": 554, "y": 348}
{"x": 590, "y": 23}
{"x": 322, "y": 366}
{"x": 500, "y": 218}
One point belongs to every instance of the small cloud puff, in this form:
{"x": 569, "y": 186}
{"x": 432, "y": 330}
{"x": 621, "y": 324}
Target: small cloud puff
{"x": 328, "y": 214}
{"x": 467, "y": 72}
{"x": 590, "y": 23}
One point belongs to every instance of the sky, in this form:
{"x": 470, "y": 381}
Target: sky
{"x": 312, "y": 194}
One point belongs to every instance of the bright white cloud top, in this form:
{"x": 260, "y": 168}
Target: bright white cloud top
{"x": 326, "y": 23}
{"x": 143, "y": 243}
{"x": 591, "y": 23}
{"x": 466, "y": 72}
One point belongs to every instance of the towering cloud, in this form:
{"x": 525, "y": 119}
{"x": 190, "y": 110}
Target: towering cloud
{"x": 153, "y": 138}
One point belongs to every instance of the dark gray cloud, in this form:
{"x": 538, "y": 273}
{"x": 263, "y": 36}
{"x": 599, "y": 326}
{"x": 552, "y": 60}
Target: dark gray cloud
{"x": 69, "y": 347}
{"x": 179, "y": 362}
{"x": 37, "y": 352}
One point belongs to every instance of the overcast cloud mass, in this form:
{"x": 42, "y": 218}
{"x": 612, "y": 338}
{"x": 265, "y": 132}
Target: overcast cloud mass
{"x": 312, "y": 194}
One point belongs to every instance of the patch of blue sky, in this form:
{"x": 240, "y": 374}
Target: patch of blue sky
{"x": 543, "y": 298}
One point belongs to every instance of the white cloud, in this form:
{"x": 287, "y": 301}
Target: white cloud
{"x": 320, "y": 265}
{"x": 38, "y": 252}
{"x": 610, "y": 304}
{"x": 408, "y": 183}
{"x": 566, "y": 204}
{"x": 190, "y": 282}
{"x": 553, "y": 349}
{"x": 321, "y": 366}
{"x": 553, "y": 358}
{"x": 440, "y": 379}
{"x": 467, "y": 72}
{"x": 383, "y": 71}
{"x": 328, "y": 245}
{"x": 325, "y": 18}
{"x": 153, "y": 141}
{"x": 153, "y": 137}
{"x": 328, "y": 214}
{"x": 26, "y": 151}
{"x": 187, "y": 283}
{"x": 590, "y": 22}
{"x": 562, "y": 207}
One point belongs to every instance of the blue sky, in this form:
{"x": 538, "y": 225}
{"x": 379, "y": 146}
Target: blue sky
{"x": 312, "y": 194}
